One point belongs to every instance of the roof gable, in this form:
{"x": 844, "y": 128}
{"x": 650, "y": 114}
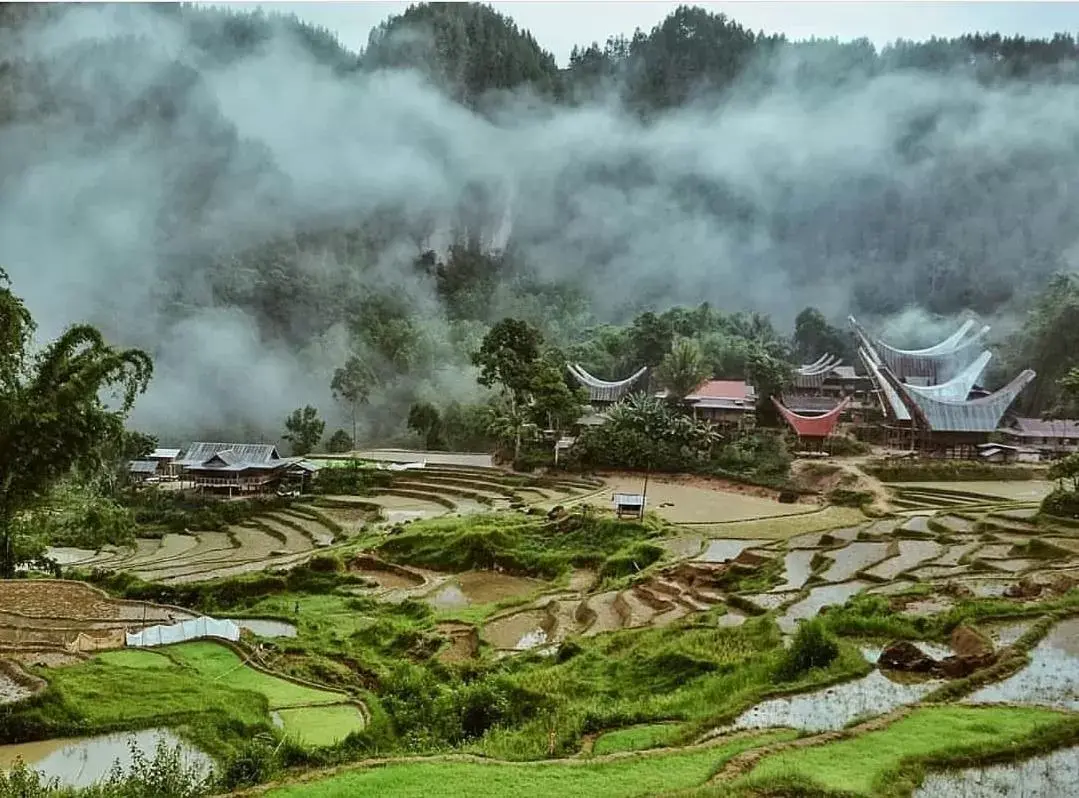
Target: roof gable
{"x": 231, "y": 454}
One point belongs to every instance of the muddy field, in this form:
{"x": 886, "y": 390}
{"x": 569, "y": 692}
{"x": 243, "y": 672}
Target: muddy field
{"x": 701, "y": 502}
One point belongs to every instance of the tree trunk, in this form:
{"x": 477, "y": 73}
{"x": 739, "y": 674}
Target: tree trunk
{"x": 353, "y": 426}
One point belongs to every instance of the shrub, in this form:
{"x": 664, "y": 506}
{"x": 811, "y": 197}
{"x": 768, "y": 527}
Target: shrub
{"x": 944, "y": 471}
{"x": 847, "y": 446}
{"x": 844, "y": 497}
{"x": 812, "y": 647}
{"x": 252, "y": 764}
{"x": 1062, "y": 503}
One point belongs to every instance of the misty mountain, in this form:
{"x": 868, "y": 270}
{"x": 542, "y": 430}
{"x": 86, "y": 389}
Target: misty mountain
{"x": 251, "y": 202}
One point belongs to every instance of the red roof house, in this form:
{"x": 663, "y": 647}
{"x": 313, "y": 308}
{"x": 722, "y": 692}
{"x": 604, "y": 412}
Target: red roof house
{"x": 812, "y": 426}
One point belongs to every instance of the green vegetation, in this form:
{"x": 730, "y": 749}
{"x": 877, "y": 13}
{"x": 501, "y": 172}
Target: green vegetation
{"x": 891, "y": 761}
{"x": 321, "y": 726}
{"x": 159, "y": 511}
{"x": 641, "y": 775}
{"x": 162, "y": 775}
{"x": 303, "y": 429}
{"x": 55, "y": 421}
{"x": 525, "y": 544}
{"x": 636, "y": 738}
{"x": 946, "y": 471}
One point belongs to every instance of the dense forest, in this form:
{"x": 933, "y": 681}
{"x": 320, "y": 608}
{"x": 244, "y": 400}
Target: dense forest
{"x": 281, "y": 222}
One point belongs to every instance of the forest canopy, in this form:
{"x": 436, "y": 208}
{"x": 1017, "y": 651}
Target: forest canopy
{"x": 264, "y": 210}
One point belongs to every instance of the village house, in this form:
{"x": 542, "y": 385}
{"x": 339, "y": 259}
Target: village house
{"x": 166, "y": 461}
{"x": 727, "y": 402}
{"x": 1050, "y": 437}
{"x": 234, "y": 467}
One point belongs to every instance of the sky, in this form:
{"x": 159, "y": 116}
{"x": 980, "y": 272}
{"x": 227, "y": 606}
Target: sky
{"x": 559, "y": 25}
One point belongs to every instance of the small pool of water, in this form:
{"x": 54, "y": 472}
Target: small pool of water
{"x": 1052, "y": 776}
{"x": 264, "y": 627}
{"x": 818, "y": 598}
{"x": 80, "y": 762}
{"x": 1052, "y": 677}
{"x": 519, "y": 632}
{"x": 726, "y": 549}
{"x": 834, "y": 707}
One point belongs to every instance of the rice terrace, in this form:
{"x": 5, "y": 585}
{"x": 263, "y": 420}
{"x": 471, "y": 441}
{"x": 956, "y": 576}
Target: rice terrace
{"x": 695, "y": 414}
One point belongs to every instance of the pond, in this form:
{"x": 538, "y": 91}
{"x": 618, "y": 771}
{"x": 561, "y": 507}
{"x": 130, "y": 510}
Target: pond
{"x": 264, "y": 627}
{"x": 80, "y": 762}
{"x": 726, "y": 549}
{"x": 834, "y": 707}
{"x": 852, "y": 558}
{"x": 1052, "y": 677}
{"x": 1052, "y": 776}
{"x": 818, "y": 598}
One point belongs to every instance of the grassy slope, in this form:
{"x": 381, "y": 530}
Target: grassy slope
{"x": 881, "y": 762}
{"x": 220, "y": 665}
{"x": 697, "y": 673}
{"x": 319, "y": 726}
{"x": 630, "y": 776}
{"x": 635, "y": 738}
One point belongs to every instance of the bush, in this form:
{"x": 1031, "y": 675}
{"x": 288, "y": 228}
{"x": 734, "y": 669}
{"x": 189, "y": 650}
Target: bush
{"x": 847, "y": 446}
{"x": 177, "y": 512}
{"x": 945, "y": 471}
{"x": 1062, "y": 503}
{"x": 812, "y": 647}
{"x": 844, "y": 497}
{"x": 252, "y": 764}
{"x": 351, "y": 480}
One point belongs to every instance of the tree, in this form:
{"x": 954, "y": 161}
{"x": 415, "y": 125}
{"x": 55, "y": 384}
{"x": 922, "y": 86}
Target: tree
{"x": 553, "y": 403}
{"x": 683, "y": 369}
{"x": 304, "y": 429}
{"x": 507, "y": 357}
{"x": 54, "y": 417}
{"x": 352, "y": 384}
{"x": 1066, "y": 469}
{"x": 1067, "y": 404}
{"x": 339, "y": 442}
{"x": 814, "y": 336}
{"x": 424, "y": 420}
{"x": 116, "y": 455}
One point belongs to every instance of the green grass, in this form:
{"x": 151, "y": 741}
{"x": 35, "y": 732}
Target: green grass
{"x": 217, "y": 664}
{"x": 524, "y": 544}
{"x": 135, "y": 658}
{"x": 320, "y": 726}
{"x": 885, "y": 762}
{"x": 632, "y": 776}
{"x": 695, "y": 673}
{"x": 636, "y": 738}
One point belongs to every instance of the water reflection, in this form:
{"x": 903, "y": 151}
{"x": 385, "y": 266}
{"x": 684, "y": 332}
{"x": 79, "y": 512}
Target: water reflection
{"x": 1053, "y": 776}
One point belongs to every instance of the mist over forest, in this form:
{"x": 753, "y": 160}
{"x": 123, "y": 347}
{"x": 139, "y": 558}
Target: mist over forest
{"x": 252, "y": 203}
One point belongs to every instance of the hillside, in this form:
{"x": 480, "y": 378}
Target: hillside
{"x": 253, "y": 203}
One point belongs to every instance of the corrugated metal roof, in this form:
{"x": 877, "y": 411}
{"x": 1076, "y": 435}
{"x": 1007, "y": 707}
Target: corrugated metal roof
{"x": 1025, "y": 427}
{"x": 164, "y": 454}
{"x": 959, "y": 387}
{"x": 731, "y": 390}
{"x": 977, "y": 415}
{"x": 142, "y": 467}
{"x": 940, "y": 365}
{"x": 251, "y": 454}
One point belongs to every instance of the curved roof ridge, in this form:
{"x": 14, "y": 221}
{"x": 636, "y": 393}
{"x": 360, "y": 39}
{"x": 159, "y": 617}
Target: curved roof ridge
{"x": 958, "y": 387}
{"x": 822, "y": 366}
{"x": 973, "y": 415}
{"x": 595, "y": 382}
{"x": 891, "y": 396}
{"x": 947, "y": 345}
{"x": 820, "y": 426}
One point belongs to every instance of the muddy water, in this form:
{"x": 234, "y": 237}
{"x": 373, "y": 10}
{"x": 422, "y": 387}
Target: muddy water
{"x": 834, "y": 707}
{"x": 1052, "y": 677}
{"x": 917, "y": 523}
{"x": 994, "y": 551}
{"x": 956, "y": 524}
{"x": 69, "y": 556}
{"x": 11, "y": 691}
{"x": 955, "y": 552}
{"x": 1004, "y": 634}
{"x": 818, "y": 598}
{"x": 852, "y": 558}
{"x": 481, "y": 587}
{"x": 80, "y": 762}
{"x": 731, "y": 618}
{"x": 769, "y": 601}
{"x": 1015, "y": 566}
{"x": 389, "y": 580}
{"x": 607, "y": 618}
{"x": 797, "y": 568}
{"x": 911, "y": 552}
{"x": 264, "y": 627}
{"x": 519, "y": 632}
{"x": 448, "y": 597}
{"x": 723, "y": 550}
{"x": 683, "y": 546}
{"x": 1052, "y": 776}
{"x": 929, "y": 606}
{"x": 812, "y": 540}
{"x": 939, "y": 571}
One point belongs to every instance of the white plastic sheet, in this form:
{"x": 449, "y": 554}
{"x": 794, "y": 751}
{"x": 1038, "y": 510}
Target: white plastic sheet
{"x": 166, "y": 634}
